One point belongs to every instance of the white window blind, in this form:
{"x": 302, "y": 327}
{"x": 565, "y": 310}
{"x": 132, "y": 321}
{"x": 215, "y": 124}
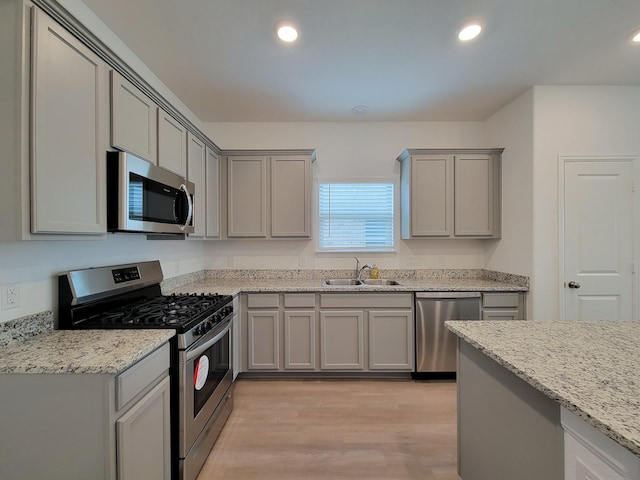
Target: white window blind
{"x": 356, "y": 216}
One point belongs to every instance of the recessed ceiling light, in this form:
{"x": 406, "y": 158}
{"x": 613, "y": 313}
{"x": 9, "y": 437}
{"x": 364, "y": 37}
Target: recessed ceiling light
{"x": 360, "y": 109}
{"x": 286, "y": 31}
{"x": 635, "y": 37}
{"x": 469, "y": 32}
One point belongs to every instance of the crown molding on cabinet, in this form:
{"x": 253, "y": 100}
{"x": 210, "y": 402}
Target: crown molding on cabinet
{"x": 67, "y": 20}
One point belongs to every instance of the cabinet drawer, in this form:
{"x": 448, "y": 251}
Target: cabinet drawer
{"x": 263, "y": 300}
{"x": 501, "y": 314}
{"x": 366, "y": 300}
{"x": 141, "y": 375}
{"x": 298, "y": 300}
{"x": 500, "y": 300}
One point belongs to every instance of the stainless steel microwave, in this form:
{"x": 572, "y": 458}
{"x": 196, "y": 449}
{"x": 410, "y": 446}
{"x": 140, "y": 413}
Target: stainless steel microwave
{"x": 142, "y": 197}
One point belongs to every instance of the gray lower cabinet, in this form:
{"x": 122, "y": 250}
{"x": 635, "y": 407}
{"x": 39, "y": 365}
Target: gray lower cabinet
{"x": 308, "y": 332}
{"x": 300, "y": 340}
{"x": 342, "y": 340}
{"x": 142, "y": 435}
{"x": 503, "y": 306}
{"x": 91, "y": 426}
{"x": 391, "y": 334}
{"x": 263, "y": 337}
{"x": 367, "y": 331}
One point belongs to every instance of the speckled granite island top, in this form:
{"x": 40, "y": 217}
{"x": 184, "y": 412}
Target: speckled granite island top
{"x": 591, "y": 369}
{"x": 81, "y": 351}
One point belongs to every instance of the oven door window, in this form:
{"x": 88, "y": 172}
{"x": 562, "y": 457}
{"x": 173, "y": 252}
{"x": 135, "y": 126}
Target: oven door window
{"x": 208, "y": 371}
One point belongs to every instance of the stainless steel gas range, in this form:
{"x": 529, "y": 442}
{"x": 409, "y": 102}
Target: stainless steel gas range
{"x": 129, "y": 296}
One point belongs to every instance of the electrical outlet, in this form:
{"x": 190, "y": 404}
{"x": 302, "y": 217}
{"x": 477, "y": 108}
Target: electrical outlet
{"x": 10, "y": 296}
{"x": 442, "y": 261}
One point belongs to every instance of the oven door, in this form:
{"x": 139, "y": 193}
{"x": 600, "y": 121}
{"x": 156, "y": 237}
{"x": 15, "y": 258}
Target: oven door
{"x": 205, "y": 375}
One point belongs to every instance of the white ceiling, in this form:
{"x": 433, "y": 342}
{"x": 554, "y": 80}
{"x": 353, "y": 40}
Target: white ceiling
{"x": 401, "y": 58}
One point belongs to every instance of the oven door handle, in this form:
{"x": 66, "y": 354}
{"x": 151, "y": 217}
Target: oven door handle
{"x": 191, "y": 354}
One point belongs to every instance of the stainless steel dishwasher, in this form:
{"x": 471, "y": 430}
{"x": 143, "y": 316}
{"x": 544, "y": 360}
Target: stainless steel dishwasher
{"x": 435, "y": 344}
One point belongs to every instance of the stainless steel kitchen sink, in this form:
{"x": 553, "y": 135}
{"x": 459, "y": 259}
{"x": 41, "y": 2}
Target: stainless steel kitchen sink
{"x": 345, "y": 282}
{"x": 380, "y": 281}
{"x": 350, "y": 282}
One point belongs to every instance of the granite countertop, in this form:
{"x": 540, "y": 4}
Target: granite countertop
{"x": 591, "y": 369}
{"x": 234, "y": 286}
{"x": 81, "y": 351}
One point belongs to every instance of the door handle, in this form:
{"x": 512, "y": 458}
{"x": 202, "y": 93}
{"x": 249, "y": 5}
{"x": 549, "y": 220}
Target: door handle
{"x": 573, "y": 284}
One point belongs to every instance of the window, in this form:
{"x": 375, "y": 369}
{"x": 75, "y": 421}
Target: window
{"x": 356, "y": 217}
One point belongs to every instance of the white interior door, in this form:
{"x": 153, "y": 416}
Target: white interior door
{"x": 598, "y": 233}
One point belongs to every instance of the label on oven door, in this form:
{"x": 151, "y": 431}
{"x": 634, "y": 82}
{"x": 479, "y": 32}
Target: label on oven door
{"x": 201, "y": 372}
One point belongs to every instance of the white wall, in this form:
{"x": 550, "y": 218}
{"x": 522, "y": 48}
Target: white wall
{"x": 512, "y": 128}
{"x": 34, "y": 265}
{"x": 348, "y": 150}
{"x": 571, "y": 120}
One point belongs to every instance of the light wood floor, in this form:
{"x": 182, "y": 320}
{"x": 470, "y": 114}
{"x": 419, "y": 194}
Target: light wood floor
{"x": 338, "y": 429}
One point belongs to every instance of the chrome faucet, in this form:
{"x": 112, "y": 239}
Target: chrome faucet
{"x": 360, "y": 269}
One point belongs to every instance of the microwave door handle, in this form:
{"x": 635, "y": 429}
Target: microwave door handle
{"x": 183, "y": 187}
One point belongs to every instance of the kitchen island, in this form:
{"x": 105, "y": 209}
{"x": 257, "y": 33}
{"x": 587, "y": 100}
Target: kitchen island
{"x": 548, "y": 400}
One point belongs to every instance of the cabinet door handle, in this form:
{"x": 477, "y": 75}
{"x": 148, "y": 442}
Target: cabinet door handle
{"x": 573, "y": 284}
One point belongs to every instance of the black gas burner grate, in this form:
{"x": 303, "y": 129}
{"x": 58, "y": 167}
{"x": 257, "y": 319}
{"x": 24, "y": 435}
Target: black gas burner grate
{"x": 172, "y": 310}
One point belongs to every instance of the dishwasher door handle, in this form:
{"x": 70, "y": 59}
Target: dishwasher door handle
{"x": 448, "y": 294}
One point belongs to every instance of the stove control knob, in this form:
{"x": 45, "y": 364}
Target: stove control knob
{"x": 198, "y": 330}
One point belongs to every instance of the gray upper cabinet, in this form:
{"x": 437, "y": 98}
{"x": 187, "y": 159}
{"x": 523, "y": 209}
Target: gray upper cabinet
{"x": 196, "y": 158}
{"x": 247, "y": 201}
{"x": 212, "y": 194}
{"x": 269, "y": 194}
{"x": 203, "y": 169}
{"x": 451, "y": 193}
{"x": 427, "y": 196}
{"x": 54, "y": 130}
{"x": 172, "y": 144}
{"x": 291, "y": 196}
{"x": 69, "y": 137}
{"x": 134, "y": 125}
{"x": 476, "y": 196}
